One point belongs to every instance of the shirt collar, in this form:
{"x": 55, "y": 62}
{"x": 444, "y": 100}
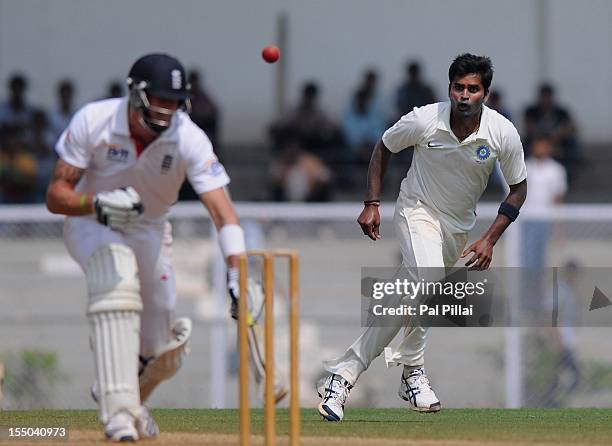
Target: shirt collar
{"x": 120, "y": 125}
{"x": 120, "y": 119}
{"x": 483, "y": 128}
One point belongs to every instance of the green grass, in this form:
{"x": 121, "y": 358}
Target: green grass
{"x": 575, "y": 426}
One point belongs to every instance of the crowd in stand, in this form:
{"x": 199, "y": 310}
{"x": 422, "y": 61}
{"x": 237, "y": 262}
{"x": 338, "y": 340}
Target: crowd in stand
{"x": 314, "y": 154}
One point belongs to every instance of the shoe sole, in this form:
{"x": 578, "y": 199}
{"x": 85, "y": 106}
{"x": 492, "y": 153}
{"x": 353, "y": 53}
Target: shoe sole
{"x": 123, "y": 439}
{"x": 327, "y": 413}
{"x": 435, "y": 407}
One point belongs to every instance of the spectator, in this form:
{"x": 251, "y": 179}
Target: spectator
{"x": 362, "y": 127}
{"x": 547, "y": 188}
{"x": 370, "y": 86}
{"x": 311, "y": 126}
{"x": 204, "y": 110}
{"x": 60, "y": 118}
{"x": 495, "y": 101}
{"x": 15, "y": 111}
{"x": 413, "y": 92}
{"x": 547, "y": 177}
{"x": 299, "y": 176}
{"x": 18, "y": 168}
{"x": 39, "y": 143}
{"x": 115, "y": 90}
{"x": 546, "y": 117}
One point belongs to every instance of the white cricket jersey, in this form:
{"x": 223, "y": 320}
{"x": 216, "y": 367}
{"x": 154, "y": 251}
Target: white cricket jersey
{"x": 450, "y": 176}
{"x": 98, "y": 140}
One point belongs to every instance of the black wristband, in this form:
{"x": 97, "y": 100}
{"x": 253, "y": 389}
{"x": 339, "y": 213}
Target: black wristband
{"x": 372, "y": 202}
{"x": 508, "y": 210}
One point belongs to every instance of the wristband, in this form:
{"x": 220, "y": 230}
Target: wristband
{"x": 371, "y": 202}
{"x": 231, "y": 240}
{"x": 508, "y": 210}
{"x": 83, "y": 202}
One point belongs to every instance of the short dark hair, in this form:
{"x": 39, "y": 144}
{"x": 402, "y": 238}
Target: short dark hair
{"x": 547, "y": 88}
{"x": 413, "y": 68}
{"x": 310, "y": 89}
{"x": 18, "y": 80}
{"x": 467, "y": 63}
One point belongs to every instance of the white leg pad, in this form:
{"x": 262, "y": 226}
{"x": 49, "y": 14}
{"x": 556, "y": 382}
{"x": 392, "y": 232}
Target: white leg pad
{"x": 168, "y": 360}
{"x": 114, "y": 316}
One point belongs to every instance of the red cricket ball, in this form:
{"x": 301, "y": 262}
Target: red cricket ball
{"x": 270, "y": 53}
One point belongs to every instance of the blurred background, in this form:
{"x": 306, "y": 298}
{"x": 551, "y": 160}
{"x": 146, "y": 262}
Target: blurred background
{"x": 295, "y": 138}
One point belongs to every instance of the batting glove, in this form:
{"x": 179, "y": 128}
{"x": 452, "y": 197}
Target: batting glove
{"x": 118, "y": 208}
{"x": 254, "y": 297}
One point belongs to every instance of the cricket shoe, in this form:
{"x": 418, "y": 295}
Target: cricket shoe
{"x": 333, "y": 393}
{"x": 146, "y": 425}
{"x": 415, "y": 389}
{"x": 121, "y": 427}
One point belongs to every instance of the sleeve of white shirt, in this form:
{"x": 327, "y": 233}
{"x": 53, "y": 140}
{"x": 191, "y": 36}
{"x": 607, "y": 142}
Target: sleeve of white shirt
{"x": 204, "y": 171}
{"x": 73, "y": 144}
{"x": 406, "y": 132}
{"x": 512, "y": 159}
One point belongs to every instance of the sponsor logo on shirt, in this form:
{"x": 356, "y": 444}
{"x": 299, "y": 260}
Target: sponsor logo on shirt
{"x": 166, "y": 163}
{"x": 117, "y": 154}
{"x": 483, "y": 153}
{"x": 433, "y": 145}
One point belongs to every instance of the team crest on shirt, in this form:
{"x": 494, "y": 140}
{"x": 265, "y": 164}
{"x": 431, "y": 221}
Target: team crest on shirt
{"x": 214, "y": 168}
{"x": 483, "y": 153}
{"x": 117, "y": 154}
{"x": 166, "y": 163}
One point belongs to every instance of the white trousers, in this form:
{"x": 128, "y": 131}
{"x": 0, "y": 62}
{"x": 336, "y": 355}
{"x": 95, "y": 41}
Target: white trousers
{"x": 152, "y": 246}
{"x": 425, "y": 241}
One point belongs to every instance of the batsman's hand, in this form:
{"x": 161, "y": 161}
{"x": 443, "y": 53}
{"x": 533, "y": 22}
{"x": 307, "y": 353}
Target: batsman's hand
{"x": 118, "y": 208}
{"x": 369, "y": 220}
{"x": 255, "y": 298}
{"x": 483, "y": 254}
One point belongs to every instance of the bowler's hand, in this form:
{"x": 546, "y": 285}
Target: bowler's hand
{"x": 483, "y": 254}
{"x": 369, "y": 220}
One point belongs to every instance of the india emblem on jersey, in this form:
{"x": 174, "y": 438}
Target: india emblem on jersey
{"x": 483, "y": 153}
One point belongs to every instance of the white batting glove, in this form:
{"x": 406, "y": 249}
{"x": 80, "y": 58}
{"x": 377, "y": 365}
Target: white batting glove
{"x": 118, "y": 208}
{"x": 255, "y": 296}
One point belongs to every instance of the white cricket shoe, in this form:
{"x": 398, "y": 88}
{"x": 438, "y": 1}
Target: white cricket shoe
{"x": 121, "y": 427}
{"x": 333, "y": 392}
{"x": 415, "y": 389}
{"x": 146, "y": 425}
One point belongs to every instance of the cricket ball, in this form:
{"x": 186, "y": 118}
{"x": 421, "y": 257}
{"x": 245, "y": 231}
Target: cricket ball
{"x": 270, "y": 53}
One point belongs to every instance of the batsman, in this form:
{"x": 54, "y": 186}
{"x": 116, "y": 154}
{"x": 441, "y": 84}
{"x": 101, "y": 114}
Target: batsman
{"x": 121, "y": 165}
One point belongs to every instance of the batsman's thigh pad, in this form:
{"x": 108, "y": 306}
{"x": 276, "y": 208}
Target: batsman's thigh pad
{"x": 168, "y": 360}
{"x": 114, "y": 314}
{"x": 112, "y": 280}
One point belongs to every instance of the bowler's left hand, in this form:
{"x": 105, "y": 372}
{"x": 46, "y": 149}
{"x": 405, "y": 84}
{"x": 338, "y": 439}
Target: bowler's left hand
{"x": 483, "y": 254}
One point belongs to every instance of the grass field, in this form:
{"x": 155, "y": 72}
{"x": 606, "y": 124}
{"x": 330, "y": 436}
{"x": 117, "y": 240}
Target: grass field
{"x": 360, "y": 427}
